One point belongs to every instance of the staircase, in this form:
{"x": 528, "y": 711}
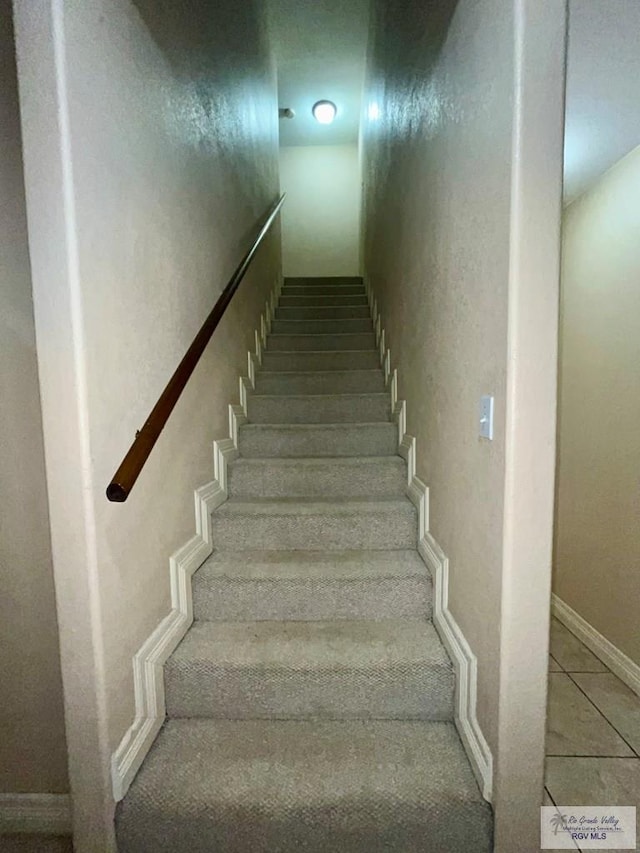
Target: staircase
{"x": 310, "y": 706}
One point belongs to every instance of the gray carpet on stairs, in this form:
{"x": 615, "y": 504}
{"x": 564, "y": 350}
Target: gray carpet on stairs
{"x": 384, "y": 669}
{"x": 316, "y": 381}
{"x": 312, "y": 585}
{"x": 338, "y": 298}
{"x": 310, "y": 705}
{"x": 353, "y": 477}
{"x": 318, "y": 408}
{"x": 317, "y": 440}
{"x": 284, "y": 360}
{"x": 284, "y": 786}
{"x": 334, "y": 340}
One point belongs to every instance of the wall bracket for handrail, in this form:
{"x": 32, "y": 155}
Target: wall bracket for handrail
{"x": 125, "y": 477}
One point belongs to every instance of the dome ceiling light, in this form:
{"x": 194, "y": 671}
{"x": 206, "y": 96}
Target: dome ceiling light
{"x": 324, "y": 111}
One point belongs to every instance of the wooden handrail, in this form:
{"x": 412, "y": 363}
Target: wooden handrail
{"x": 125, "y": 477}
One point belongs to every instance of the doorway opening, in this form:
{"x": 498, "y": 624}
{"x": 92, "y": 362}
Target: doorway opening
{"x": 593, "y": 726}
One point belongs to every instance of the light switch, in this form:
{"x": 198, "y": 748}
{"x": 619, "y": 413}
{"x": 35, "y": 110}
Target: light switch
{"x": 486, "y": 417}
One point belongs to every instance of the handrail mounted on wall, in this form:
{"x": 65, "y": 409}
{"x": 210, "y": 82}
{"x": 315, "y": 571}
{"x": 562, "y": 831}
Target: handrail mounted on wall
{"x": 125, "y": 477}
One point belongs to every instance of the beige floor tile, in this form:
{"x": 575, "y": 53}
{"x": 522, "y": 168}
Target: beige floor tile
{"x": 35, "y": 844}
{"x": 575, "y": 727}
{"x": 594, "y": 781}
{"x": 547, "y": 801}
{"x": 554, "y": 666}
{"x": 618, "y": 703}
{"x": 570, "y": 653}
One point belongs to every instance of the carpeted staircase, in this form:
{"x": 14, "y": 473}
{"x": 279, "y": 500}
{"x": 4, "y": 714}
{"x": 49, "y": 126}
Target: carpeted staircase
{"x": 310, "y": 706}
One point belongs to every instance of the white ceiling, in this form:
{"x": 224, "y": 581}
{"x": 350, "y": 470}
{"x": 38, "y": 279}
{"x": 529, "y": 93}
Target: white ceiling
{"x": 603, "y": 89}
{"x": 320, "y": 48}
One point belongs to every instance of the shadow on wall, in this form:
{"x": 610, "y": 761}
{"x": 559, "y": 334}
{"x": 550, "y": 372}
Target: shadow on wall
{"x": 188, "y": 34}
{"x": 414, "y": 34}
{"x": 190, "y": 37}
{"x": 408, "y": 43}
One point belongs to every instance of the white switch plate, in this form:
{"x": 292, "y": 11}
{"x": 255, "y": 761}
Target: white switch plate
{"x": 486, "y": 417}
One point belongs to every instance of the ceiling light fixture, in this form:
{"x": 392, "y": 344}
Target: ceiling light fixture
{"x": 324, "y": 111}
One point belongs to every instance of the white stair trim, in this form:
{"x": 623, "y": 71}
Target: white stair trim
{"x": 149, "y": 660}
{"x": 462, "y": 656}
{"x": 620, "y": 664}
{"x": 35, "y": 814}
{"x": 466, "y": 667}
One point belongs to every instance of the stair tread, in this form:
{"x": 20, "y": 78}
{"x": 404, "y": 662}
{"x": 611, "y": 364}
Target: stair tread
{"x": 342, "y": 644}
{"x": 331, "y": 565}
{"x": 328, "y": 321}
{"x": 325, "y": 383}
{"x": 265, "y": 785}
{"x": 311, "y": 506}
{"x": 333, "y": 289}
{"x": 340, "y": 396}
{"x": 323, "y": 279}
{"x": 321, "y": 425}
{"x": 326, "y": 341}
{"x": 335, "y": 311}
{"x": 324, "y": 352}
{"x": 326, "y": 361}
{"x": 321, "y": 461}
{"x": 316, "y": 334}
{"x": 312, "y": 585}
{"x": 332, "y": 373}
{"x": 326, "y": 440}
{"x": 326, "y": 301}
{"x": 349, "y": 407}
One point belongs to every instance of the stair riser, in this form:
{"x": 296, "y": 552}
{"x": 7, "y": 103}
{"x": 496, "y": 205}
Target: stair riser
{"x": 361, "y": 440}
{"x": 348, "y": 382}
{"x": 343, "y": 290}
{"x": 327, "y": 312}
{"x": 321, "y": 342}
{"x": 311, "y": 599}
{"x": 321, "y": 327}
{"x": 364, "y": 408}
{"x": 204, "y": 689}
{"x": 321, "y": 361}
{"x": 269, "y": 479}
{"x": 381, "y": 530}
{"x": 302, "y": 301}
{"x": 324, "y": 281}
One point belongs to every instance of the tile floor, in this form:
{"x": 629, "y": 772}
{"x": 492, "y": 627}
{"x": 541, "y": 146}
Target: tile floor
{"x": 593, "y": 729}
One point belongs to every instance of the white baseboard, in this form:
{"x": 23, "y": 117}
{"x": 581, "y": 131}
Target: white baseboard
{"x": 35, "y": 814}
{"x": 626, "y": 669}
{"x": 463, "y": 658}
{"x": 148, "y": 662}
{"x": 466, "y": 667}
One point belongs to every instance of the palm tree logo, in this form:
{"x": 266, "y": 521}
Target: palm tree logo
{"x": 558, "y": 821}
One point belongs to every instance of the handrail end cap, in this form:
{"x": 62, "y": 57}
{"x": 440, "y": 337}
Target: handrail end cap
{"x": 116, "y": 493}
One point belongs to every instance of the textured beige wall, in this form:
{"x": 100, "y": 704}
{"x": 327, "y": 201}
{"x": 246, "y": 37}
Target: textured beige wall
{"x": 438, "y": 178}
{"x": 597, "y": 545}
{"x": 462, "y": 171}
{"x": 321, "y": 219}
{"x": 32, "y": 744}
{"x": 151, "y": 152}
